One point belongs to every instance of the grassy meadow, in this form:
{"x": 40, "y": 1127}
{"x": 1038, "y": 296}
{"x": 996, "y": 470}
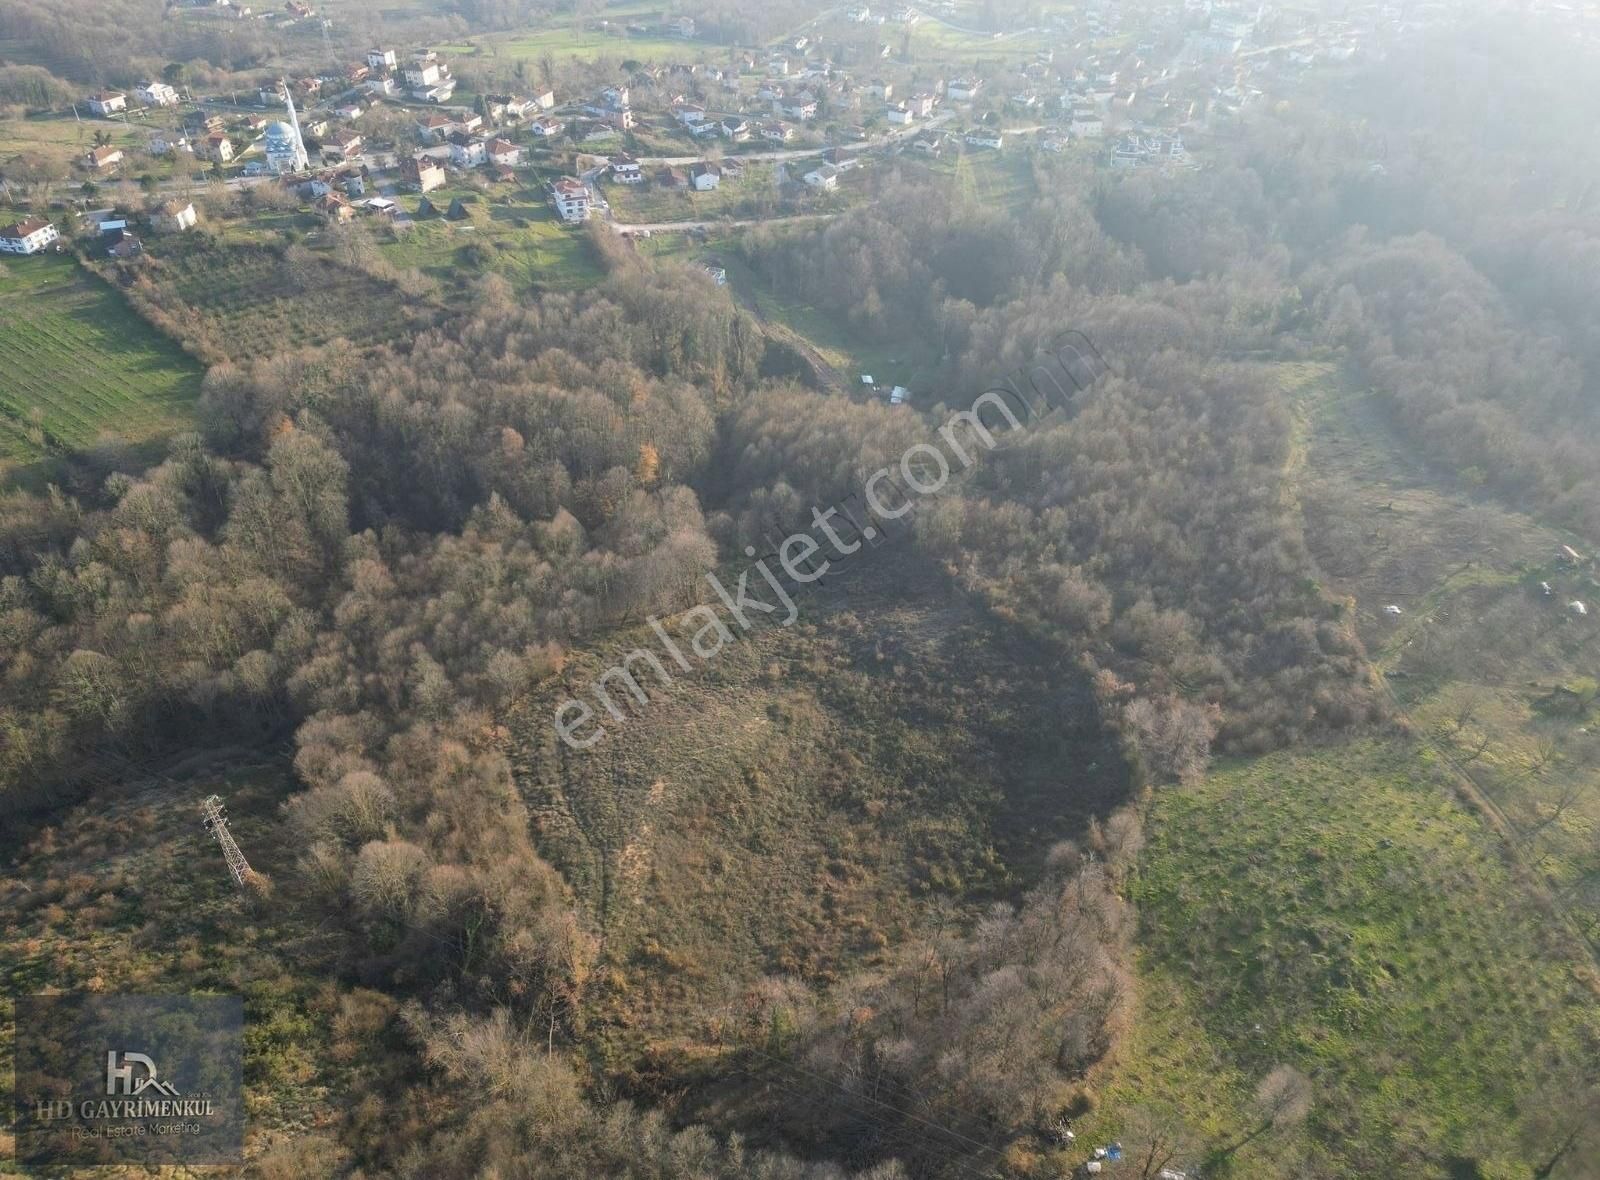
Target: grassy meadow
{"x": 510, "y": 231}
{"x": 1341, "y": 911}
{"x": 80, "y": 363}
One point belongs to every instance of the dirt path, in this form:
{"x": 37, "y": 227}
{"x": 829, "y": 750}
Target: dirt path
{"x": 826, "y": 374}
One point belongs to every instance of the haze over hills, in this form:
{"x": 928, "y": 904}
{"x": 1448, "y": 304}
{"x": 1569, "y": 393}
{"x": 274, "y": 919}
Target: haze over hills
{"x": 704, "y": 590}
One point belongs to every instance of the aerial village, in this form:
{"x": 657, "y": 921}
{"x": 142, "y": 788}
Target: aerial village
{"x": 378, "y": 137}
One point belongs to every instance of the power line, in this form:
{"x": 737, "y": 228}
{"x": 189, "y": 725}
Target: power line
{"x": 216, "y": 822}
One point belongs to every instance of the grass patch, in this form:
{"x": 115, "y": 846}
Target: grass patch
{"x": 1339, "y": 911}
{"x": 513, "y": 233}
{"x": 60, "y": 141}
{"x": 79, "y": 363}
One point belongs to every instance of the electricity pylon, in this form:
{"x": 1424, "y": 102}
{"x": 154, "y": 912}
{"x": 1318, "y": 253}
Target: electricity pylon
{"x": 216, "y": 822}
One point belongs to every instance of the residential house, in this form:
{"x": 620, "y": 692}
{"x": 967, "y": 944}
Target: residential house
{"x": 689, "y": 114}
{"x": 436, "y": 126}
{"x": 985, "y": 137}
{"x": 104, "y": 157}
{"x": 122, "y": 245}
{"x": 735, "y": 129}
{"x": 680, "y": 26}
{"x": 199, "y": 123}
{"x": 504, "y": 153}
{"x": 545, "y": 128}
{"x": 705, "y": 176}
{"x": 173, "y": 217}
{"x": 615, "y": 98}
{"x": 920, "y": 105}
{"x": 427, "y": 78}
{"x": 1128, "y": 153}
{"x": 350, "y": 111}
{"x": 930, "y": 143}
{"x": 354, "y": 182}
{"x": 899, "y": 115}
{"x": 622, "y": 120}
{"x": 382, "y": 60}
{"x": 344, "y": 143}
{"x": 802, "y": 106}
{"x": 824, "y": 179}
{"x": 626, "y": 170}
{"x": 108, "y": 102}
{"x": 468, "y": 151}
{"x": 718, "y": 272}
{"x": 168, "y": 141}
{"x": 777, "y": 132}
{"x": 572, "y": 199}
{"x": 1087, "y": 123}
{"x": 334, "y": 207}
{"x": 155, "y": 94}
{"x": 422, "y": 174}
{"x": 880, "y": 89}
{"x": 519, "y": 107}
{"x": 28, "y": 236}
{"x": 963, "y": 89}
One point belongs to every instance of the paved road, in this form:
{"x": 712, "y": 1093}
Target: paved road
{"x": 877, "y": 141}
{"x": 680, "y": 227}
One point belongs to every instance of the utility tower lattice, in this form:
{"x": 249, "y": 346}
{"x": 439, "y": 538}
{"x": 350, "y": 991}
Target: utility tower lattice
{"x": 216, "y": 822}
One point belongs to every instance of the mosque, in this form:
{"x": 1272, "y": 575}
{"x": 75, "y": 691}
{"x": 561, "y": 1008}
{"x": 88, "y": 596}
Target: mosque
{"x": 285, "y": 147}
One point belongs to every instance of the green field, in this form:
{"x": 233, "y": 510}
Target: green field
{"x": 1494, "y": 673}
{"x": 79, "y": 363}
{"x": 1340, "y": 911}
{"x": 510, "y": 232}
{"x": 58, "y": 142}
{"x": 837, "y": 345}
